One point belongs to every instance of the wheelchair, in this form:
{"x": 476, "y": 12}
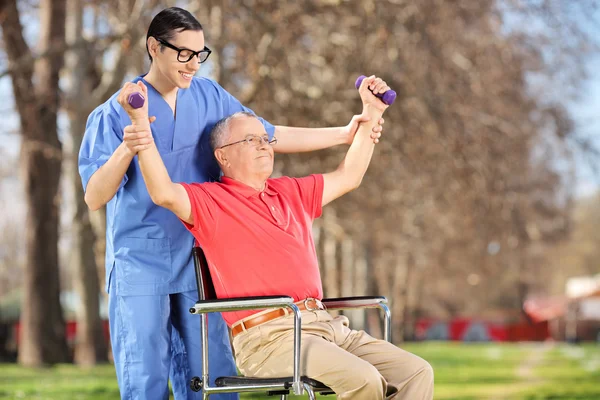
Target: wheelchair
{"x": 280, "y": 386}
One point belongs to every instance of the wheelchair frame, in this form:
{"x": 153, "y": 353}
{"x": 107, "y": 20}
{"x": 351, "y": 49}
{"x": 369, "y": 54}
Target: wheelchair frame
{"x": 208, "y": 302}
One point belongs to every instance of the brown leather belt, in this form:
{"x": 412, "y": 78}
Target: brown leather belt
{"x": 309, "y": 304}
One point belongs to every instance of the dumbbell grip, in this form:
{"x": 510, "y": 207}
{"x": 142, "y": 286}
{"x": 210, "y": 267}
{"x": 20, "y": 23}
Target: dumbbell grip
{"x": 136, "y": 100}
{"x": 388, "y": 97}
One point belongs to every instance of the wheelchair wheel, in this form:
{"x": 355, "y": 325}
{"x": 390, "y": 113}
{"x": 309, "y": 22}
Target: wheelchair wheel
{"x": 196, "y": 384}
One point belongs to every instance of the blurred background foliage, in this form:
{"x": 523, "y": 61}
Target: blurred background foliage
{"x": 468, "y": 207}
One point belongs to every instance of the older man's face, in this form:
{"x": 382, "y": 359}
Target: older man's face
{"x": 252, "y": 156}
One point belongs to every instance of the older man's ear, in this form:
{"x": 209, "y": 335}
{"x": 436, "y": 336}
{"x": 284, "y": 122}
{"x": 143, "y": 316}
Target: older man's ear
{"x": 221, "y": 157}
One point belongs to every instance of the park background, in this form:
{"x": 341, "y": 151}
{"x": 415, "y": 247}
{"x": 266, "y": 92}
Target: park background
{"x": 477, "y": 217}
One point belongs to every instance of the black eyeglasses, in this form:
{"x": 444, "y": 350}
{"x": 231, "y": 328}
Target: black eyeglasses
{"x": 254, "y": 140}
{"x": 185, "y": 55}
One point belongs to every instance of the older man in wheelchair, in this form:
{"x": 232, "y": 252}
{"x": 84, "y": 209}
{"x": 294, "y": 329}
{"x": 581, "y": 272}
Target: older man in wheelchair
{"x": 256, "y": 234}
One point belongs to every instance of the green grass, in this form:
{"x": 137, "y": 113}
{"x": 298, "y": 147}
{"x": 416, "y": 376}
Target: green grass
{"x": 568, "y": 372}
{"x": 64, "y": 382}
{"x": 462, "y": 371}
{"x": 471, "y": 371}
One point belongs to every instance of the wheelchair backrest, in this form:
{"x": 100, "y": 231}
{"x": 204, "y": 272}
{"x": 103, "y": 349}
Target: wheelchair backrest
{"x": 206, "y": 289}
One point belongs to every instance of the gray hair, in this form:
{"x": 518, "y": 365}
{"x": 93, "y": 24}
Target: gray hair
{"x": 220, "y": 132}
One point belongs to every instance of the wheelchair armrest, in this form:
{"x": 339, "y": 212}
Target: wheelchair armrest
{"x": 340, "y": 303}
{"x": 253, "y": 303}
{"x": 241, "y": 303}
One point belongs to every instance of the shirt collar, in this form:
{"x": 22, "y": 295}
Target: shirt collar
{"x": 244, "y": 189}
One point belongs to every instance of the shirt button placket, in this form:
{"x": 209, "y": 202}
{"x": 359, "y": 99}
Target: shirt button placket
{"x": 270, "y": 206}
{"x": 274, "y": 214}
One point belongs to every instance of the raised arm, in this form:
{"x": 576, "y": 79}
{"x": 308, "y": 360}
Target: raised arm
{"x": 162, "y": 190}
{"x": 350, "y": 172}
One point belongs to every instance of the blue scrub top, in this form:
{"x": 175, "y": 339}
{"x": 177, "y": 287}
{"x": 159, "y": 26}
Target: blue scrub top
{"x": 148, "y": 250}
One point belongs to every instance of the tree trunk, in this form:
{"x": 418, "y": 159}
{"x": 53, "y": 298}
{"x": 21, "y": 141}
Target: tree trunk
{"x": 330, "y": 259}
{"x": 361, "y": 279}
{"x": 415, "y": 303}
{"x": 90, "y": 344}
{"x": 42, "y": 336}
{"x": 400, "y": 298}
{"x": 347, "y": 272}
{"x": 90, "y": 347}
{"x": 374, "y": 319}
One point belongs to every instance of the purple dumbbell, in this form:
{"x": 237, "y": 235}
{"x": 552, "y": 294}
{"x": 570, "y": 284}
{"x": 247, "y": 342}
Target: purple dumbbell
{"x": 136, "y": 100}
{"x": 387, "y": 97}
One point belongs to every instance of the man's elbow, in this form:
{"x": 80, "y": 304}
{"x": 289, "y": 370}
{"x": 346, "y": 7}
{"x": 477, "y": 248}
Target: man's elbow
{"x": 92, "y": 203}
{"x": 349, "y": 185}
{"x": 349, "y": 180}
{"x": 162, "y": 199}
{"x": 353, "y": 180}
{"x": 354, "y": 183}
{"x": 159, "y": 200}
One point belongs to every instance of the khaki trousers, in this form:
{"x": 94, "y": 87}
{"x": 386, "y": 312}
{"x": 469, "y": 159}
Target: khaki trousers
{"x": 352, "y": 363}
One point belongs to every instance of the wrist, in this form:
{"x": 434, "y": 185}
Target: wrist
{"x": 141, "y": 123}
{"x": 372, "y": 110}
{"x": 126, "y": 151}
{"x": 139, "y": 117}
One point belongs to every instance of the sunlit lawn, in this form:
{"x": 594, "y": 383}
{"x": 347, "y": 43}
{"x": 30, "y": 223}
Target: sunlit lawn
{"x": 569, "y": 372}
{"x": 477, "y": 371}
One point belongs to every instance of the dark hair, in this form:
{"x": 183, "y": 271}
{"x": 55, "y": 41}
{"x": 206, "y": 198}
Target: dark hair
{"x": 170, "y": 21}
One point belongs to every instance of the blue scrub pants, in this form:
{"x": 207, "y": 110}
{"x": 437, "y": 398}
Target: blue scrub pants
{"x": 155, "y": 338}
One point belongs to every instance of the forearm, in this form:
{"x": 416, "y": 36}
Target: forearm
{"x": 105, "y": 182}
{"x": 355, "y": 164}
{"x": 296, "y": 140}
{"x": 161, "y": 189}
{"x": 157, "y": 179}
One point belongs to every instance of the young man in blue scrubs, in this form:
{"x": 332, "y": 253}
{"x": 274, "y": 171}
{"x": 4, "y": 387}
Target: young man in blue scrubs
{"x": 149, "y": 271}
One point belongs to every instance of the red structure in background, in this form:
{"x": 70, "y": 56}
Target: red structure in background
{"x": 459, "y": 329}
{"x": 468, "y": 329}
{"x": 524, "y": 331}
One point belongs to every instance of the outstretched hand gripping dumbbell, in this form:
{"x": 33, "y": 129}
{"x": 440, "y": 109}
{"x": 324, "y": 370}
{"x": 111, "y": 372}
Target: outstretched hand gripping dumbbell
{"x": 136, "y": 100}
{"x": 387, "y": 97}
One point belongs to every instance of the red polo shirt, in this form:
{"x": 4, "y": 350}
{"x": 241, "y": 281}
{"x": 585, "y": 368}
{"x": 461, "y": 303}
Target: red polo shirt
{"x": 259, "y": 243}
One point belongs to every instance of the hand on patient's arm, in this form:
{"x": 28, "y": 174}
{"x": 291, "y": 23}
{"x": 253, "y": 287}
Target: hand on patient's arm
{"x": 349, "y": 131}
{"x": 350, "y": 172}
{"x": 162, "y": 190}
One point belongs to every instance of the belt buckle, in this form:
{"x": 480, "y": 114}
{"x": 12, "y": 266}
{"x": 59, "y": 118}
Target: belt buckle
{"x": 310, "y": 308}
